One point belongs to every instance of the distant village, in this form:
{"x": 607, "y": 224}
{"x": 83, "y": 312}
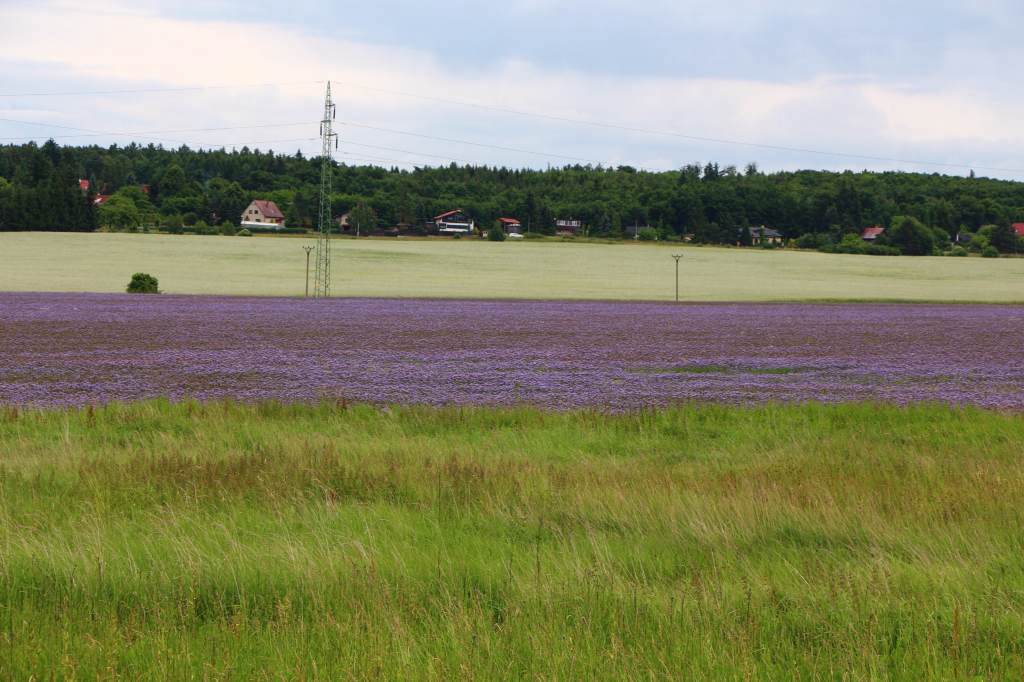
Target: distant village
{"x": 265, "y": 216}
{"x": 262, "y": 215}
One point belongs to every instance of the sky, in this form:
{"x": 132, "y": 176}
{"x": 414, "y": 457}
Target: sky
{"x": 930, "y": 86}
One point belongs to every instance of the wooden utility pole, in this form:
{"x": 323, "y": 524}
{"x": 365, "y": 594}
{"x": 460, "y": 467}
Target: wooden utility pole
{"x": 677, "y": 257}
{"x": 308, "y": 250}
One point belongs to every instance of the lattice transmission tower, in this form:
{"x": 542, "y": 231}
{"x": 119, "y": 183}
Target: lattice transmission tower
{"x": 329, "y": 142}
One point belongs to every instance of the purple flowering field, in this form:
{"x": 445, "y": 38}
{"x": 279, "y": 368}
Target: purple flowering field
{"x": 74, "y": 349}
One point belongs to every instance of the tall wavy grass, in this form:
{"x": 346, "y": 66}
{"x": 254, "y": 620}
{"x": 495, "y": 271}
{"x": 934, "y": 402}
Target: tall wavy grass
{"x": 217, "y": 540}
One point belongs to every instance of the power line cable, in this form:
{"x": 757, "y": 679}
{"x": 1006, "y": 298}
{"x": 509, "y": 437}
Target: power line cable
{"x": 406, "y": 151}
{"x": 377, "y": 158}
{"x": 215, "y": 145}
{"x": 142, "y": 134}
{"x": 518, "y": 150}
{"x": 671, "y": 133}
{"x": 89, "y": 132}
{"x": 144, "y": 91}
{"x": 537, "y": 115}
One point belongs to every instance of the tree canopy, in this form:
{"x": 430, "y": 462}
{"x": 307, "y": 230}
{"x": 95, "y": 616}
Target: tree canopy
{"x": 39, "y": 190}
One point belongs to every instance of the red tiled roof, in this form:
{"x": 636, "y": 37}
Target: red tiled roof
{"x": 101, "y": 199}
{"x": 447, "y": 214}
{"x": 872, "y": 232}
{"x": 508, "y": 221}
{"x": 268, "y": 208}
{"x": 83, "y": 185}
{"x": 1019, "y": 229}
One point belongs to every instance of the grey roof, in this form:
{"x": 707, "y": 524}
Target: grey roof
{"x": 763, "y": 231}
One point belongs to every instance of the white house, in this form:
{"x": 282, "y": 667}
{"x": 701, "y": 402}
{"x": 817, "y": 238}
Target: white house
{"x": 454, "y": 222}
{"x": 263, "y": 214}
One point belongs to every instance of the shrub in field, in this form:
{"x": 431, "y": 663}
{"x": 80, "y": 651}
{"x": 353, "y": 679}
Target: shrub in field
{"x": 978, "y": 243}
{"x": 853, "y": 244}
{"x": 957, "y": 251}
{"x": 648, "y": 234}
{"x": 812, "y": 240}
{"x": 496, "y": 233}
{"x": 1003, "y": 238}
{"x": 228, "y": 229}
{"x": 243, "y": 233}
{"x": 911, "y": 236}
{"x": 990, "y": 252}
{"x": 143, "y": 283}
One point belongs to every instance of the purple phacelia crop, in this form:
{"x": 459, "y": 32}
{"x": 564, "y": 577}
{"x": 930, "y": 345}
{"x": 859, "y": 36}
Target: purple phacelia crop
{"x": 74, "y": 349}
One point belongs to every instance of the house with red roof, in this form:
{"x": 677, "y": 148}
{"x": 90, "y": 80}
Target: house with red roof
{"x": 263, "y": 213}
{"x": 510, "y": 225}
{"x": 870, "y": 234}
{"x": 1019, "y": 229}
{"x": 454, "y": 222}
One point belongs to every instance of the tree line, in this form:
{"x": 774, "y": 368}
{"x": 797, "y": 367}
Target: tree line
{"x": 151, "y": 185}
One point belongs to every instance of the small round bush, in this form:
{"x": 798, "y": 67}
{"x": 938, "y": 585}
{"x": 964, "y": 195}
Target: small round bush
{"x": 496, "y": 234}
{"x": 958, "y": 251}
{"x": 990, "y": 252}
{"x": 143, "y": 284}
{"x": 648, "y": 234}
{"x": 244, "y": 232}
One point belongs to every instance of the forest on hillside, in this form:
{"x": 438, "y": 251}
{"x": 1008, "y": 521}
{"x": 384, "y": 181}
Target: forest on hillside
{"x": 39, "y": 190}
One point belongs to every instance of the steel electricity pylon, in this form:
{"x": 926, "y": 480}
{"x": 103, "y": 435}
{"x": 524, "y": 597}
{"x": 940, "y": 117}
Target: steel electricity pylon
{"x": 329, "y": 142}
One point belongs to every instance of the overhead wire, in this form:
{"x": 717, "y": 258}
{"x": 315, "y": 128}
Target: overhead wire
{"x": 532, "y": 114}
{"x": 85, "y": 132}
{"x": 671, "y": 133}
{"x": 145, "y": 91}
{"x": 478, "y": 144}
{"x": 145, "y": 134}
{"x": 90, "y": 132}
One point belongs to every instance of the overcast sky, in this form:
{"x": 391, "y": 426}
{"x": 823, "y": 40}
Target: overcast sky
{"x": 920, "y": 81}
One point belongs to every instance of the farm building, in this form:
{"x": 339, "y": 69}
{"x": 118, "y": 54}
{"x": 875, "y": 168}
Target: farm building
{"x": 870, "y": 234}
{"x": 1018, "y": 228}
{"x": 454, "y": 222}
{"x": 262, "y": 213}
{"x": 764, "y": 235}
{"x": 511, "y": 225}
{"x": 568, "y": 228}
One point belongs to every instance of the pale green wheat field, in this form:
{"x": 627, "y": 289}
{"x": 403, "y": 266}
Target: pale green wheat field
{"x": 270, "y": 266}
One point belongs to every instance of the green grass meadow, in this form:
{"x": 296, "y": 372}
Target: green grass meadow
{"x": 213, "y": 541}
{"x": 473, "y": 268}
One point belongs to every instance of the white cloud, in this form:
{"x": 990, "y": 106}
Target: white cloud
{"x": 118, "y": 48}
